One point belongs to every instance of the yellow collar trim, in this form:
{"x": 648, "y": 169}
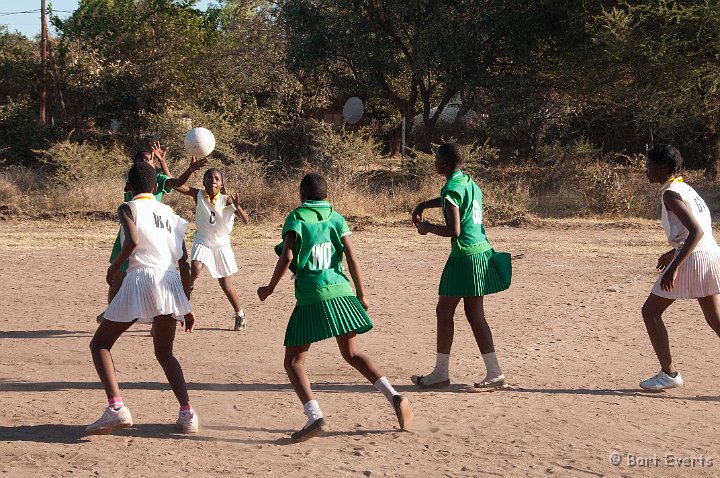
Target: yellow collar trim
{"x": 671, "y": 181}
{"x": 213, "y": 199}
{"x": 144, "y": 196}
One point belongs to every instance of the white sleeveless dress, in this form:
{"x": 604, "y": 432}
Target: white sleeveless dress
{"x": 152, "y": 286}
{"x": 699, "y": 275}
{"x": 212, "y": 246}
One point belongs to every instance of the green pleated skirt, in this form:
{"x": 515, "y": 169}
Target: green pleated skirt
{"x": 479, "y": 274}
{"x": 325, "y": 319}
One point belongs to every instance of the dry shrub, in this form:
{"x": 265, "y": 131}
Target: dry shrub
{"x": 505, "y": 200}
{"x": 21, "y": 189}
{"x": 9, "y": 197}
{"x": 80, "y": 162}
{"x": 339, "y": 153}
{"x": 572, "y": 182}
{"x": 97, "y": 195}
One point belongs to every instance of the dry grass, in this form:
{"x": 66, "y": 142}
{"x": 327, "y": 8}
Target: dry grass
{"x": 384, "y": 196}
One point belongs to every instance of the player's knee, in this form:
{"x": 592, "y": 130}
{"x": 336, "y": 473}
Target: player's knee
{"x": 714, "y": 322}
{"x": 291, "y": 363}
{"x": 353, "y": 357}
{"x": 648, "y": 315}
{"x": 164, "y": 356}
{"x": 347, "y": 356}
{"x": 97, "y": 344}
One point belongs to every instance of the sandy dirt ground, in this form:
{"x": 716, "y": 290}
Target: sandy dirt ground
{"x": 568, "y": 333}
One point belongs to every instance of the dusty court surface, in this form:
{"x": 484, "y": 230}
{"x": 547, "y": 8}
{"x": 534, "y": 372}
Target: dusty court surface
{"x": 568, "y": 333}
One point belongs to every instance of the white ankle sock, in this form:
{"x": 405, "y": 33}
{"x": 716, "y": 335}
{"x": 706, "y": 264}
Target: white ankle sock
{"x": 492, "y": 366}
{"x": 383, "y": 385}
{"x": 240, "y": 313}
{"x": 313, "y": 412}
{"x": 441, "y": 372}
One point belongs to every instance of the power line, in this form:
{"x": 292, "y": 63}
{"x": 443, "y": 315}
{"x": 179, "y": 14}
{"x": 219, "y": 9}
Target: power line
{"x": 4, "y": 14}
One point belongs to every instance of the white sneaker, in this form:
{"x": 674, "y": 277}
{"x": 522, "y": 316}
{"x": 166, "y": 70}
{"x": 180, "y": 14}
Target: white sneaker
{"x": 110, "y": 420}
{"x": 662, "y": 381}
{"x": 240, "y": 323}
{"x": 187, "y": 422}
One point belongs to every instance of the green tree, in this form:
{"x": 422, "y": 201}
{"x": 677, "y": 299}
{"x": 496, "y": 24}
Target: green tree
{"x": 419, "y": 54}
{"x": 661, "y": 60}
{"x": 126, "y": 57}
{"x": 19, "y": 66}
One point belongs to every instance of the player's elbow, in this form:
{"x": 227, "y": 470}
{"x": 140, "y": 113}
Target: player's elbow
{"x": 130, "y": 242}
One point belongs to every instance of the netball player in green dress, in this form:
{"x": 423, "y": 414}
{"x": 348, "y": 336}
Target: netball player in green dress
{"x": 472, "y": 271}
{"x": 315, "y": 238}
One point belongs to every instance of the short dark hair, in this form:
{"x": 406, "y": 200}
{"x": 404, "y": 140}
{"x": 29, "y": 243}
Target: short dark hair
{"x": 140, "y": 156}
{"x": 313, "y": 187}
{"x": 452, "y": 153}
{"x": 668, "y": 156}
{"x": 222, "y": 178}
{"x": 142, "y": 178}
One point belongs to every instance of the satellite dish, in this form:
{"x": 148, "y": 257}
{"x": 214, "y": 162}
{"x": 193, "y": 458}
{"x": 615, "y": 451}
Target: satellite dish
{"x": 353, "y": 110}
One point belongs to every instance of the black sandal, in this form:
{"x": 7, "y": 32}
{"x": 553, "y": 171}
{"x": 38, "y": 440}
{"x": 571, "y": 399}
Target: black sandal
{"x": 417, "y": 380}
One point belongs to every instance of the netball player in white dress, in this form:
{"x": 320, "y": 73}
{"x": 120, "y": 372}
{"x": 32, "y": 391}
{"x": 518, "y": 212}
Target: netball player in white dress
{"x": 691, "y": 269}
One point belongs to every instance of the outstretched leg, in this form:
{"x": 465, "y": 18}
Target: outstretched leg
{"x": 347, "y": 343}
{"x": 652, "y": 312}
{"x": 440, "y": 376}
{"x": 711, "y": 309}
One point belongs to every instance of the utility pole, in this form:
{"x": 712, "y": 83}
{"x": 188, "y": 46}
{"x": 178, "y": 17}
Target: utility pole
{"x": 56, "y": 77}
{"x": 43, "y": 66}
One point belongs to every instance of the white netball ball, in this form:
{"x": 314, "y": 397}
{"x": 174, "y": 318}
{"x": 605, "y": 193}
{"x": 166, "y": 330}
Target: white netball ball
{"x": 199, "y": 142}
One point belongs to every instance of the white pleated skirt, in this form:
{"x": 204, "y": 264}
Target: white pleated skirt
{"x": 698, "y": 276}
{"x": 219, "y": 261}
{"x": 146, "y": 293}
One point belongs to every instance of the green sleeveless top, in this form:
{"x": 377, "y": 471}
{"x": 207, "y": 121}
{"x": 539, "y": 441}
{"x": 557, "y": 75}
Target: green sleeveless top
{"x": 461, "y": 191}
{"x": 318, "y": 253}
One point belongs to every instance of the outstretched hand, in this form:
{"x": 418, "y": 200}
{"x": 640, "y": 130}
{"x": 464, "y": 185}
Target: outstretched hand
{"x": 196, "y": 164}
{"x": 158, "y": 152}
{"x": 190, "y": 320}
